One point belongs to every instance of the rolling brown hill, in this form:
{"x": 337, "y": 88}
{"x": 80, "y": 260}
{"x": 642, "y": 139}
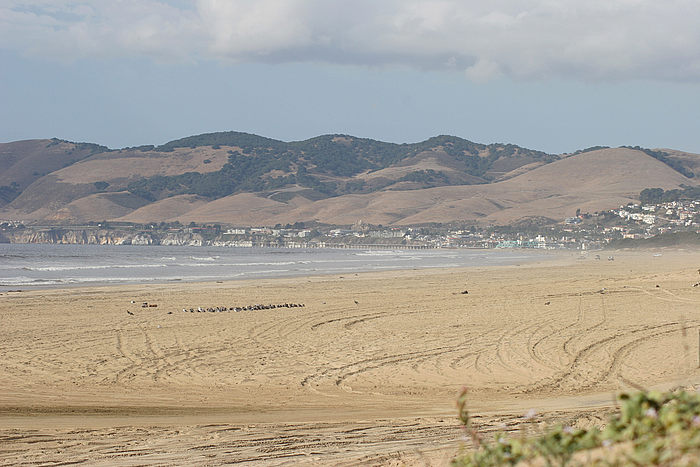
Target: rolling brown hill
{"x": 23, "y": 162}
{"x": 235, "y": 178}
{"x": 72, "y": 193}
{"x": 590, "y": 181}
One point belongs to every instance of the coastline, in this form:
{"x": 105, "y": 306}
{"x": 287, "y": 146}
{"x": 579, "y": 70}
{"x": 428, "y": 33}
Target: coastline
{"x": 380, "y": 351}
{"x": 58, "y": 266}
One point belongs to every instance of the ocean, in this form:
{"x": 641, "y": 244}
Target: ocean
{"x": 29, "y": 266}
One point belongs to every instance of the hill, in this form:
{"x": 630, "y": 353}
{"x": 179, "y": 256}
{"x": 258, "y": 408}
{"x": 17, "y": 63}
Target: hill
{"x": 590, "y": 181}
{"x": 23, "y": 162}
{"x": 239, "y": 178}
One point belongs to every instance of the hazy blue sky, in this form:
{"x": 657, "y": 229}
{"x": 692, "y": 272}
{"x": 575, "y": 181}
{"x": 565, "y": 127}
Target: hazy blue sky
{"x": 549, "y": 75}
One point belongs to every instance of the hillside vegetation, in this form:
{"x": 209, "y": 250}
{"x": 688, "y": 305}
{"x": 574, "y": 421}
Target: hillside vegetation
{"x": 673, "y": 239}
{"x": 325, "y": 164}
{"x": 331, "y": 178}
{"x": 659, "y": 195}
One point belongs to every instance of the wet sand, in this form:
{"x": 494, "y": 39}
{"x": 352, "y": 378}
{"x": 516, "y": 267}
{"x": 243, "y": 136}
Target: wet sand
{"x": 367, "y": 372}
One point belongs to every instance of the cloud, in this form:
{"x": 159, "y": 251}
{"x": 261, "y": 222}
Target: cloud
{"x": 483, "y": 71}
{"x": 520, "y": 39}
{"x": 69, "y": 30}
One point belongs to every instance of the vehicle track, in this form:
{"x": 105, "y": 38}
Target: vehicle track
{"x": 345, "y": 444}
{"x": 577, "y": 376}
{"x": 579, "y": 320}
{"x": 589, "y": 329}
{"x": 341, "y": 373}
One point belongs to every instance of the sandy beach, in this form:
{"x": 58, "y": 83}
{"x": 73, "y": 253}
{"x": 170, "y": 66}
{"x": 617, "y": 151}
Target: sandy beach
{"x": 366, "y": 372}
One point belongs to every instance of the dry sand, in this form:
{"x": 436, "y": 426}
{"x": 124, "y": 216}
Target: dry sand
{"x": 366, "y": 373}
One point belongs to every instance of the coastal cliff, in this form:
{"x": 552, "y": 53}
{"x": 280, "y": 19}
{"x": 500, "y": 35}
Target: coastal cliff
{"x": 100, "y": 237}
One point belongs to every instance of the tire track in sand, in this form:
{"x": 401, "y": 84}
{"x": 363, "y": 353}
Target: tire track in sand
{"x": 578, "y": 375}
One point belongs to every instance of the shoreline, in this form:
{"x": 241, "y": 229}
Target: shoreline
{"x": 290, "y": 272}
{"x": 384, "y": 353}
{"x": 559, "y": 259}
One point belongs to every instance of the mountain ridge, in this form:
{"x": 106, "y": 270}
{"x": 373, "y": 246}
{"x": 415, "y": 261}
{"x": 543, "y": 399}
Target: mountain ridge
{"x": 331, "y": 178}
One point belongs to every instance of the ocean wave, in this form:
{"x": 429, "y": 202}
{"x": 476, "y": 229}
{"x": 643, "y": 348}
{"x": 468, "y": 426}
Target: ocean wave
{"x": 278, "y": 263}
{"x": 380, "y": 253}
{"x": 76, "y": 281}
{"x": 80, "y": 268}
{"x": 269, "y": 271}
{"x": 50, "y": 267}
{"x": 14, "y": 256}
{"x": 25, "y": 281}
{"x": 359, "y": 260}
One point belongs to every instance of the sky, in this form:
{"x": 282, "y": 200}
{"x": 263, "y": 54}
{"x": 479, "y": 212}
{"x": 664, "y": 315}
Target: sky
{"x": 551, "y": 75}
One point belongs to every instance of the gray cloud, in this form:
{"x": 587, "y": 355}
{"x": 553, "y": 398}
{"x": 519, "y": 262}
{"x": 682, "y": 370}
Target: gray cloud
{"x": 521, "y": 39}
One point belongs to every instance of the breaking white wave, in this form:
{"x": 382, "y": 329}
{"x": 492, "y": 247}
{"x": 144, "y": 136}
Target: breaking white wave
{"x": 63, "y": 265}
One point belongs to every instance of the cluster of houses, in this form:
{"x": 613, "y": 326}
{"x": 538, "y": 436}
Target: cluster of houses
{"x": 684, "y": 213}
{"x": 672, "y": 216}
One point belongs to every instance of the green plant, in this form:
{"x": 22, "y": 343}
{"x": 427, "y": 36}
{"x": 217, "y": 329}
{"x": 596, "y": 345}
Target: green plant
{"x": 100, "y": 186}
{"x": 651, "y": 428}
